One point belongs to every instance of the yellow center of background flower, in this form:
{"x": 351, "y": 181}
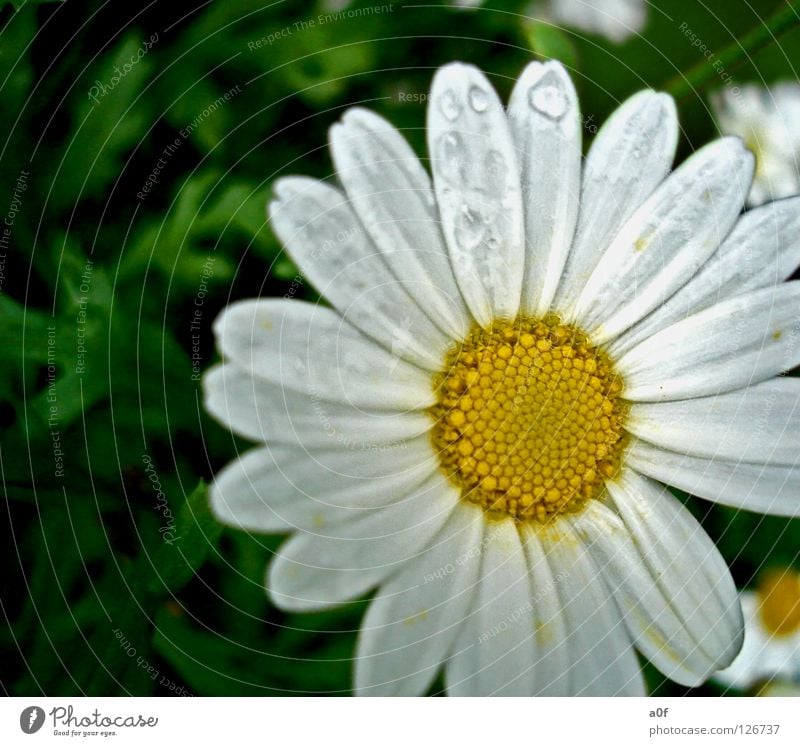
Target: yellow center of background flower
{"x": 752, "y": 143}
{"x": 779, "y": 596}
{"x": 529, "y": 419}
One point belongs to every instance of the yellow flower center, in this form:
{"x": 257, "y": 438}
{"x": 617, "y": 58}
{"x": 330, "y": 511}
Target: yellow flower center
{"x": 529, "y": 419}
{"x": 779, "y": 596}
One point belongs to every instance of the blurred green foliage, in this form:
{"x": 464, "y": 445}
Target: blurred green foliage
{"x": 146, "y": 174}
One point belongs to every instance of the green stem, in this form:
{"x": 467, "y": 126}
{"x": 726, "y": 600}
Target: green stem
{"x": 705, "y": 71}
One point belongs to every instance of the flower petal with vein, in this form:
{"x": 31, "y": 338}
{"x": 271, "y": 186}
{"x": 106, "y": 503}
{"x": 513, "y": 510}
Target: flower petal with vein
{"x": 522, "y": 348}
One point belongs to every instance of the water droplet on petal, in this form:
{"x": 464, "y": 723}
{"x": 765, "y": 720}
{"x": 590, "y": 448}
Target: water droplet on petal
{"x": 450, "y": 146}
{"x": 495, "y": 173}
{"x": 470, "y": 229}
{"x": 450, "y": 153}
{"x": 478, "y": 99}
{"x": 450, "y": 105}
{"x": 548, "y": 97}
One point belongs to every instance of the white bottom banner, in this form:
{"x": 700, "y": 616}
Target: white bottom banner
{"x": 400, "y": 722}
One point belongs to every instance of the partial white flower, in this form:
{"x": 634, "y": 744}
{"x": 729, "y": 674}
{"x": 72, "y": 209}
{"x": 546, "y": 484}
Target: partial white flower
{"x": 518, "y": 353}
{"x": 768, "y": 120}
{"x": 617, "y": 20}
{"x": 779, "y": 689}
{"x": 771, "y": 650}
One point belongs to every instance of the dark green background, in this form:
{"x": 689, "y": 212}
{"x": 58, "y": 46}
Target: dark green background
{"x": 94, "y": 600}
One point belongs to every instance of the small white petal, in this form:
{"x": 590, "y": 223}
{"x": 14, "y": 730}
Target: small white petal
{"x": 616, "y": 20}
{"x": 602, "y": 661}
{"x": 545, "y": 121}
{"x": 667, "y": 240}
{"x": 413, "y": 622}
{"x": 763, "y": 249}
{"x": 285, "y": 487}
{"x": 763, "y": 488}
{"x": 736, "y": 343}
{"x": 764, "y": 655}
{"x": 349, "y": 558}
{"x": 750, "y": 666}
{"x": 393, "y": 196}
{"x": 494, "y": 654}
{"x": 759, "y": 424}
{"x": 262, "y": 411}
{"x": 630, "y": 156}
{"x": 314, "y": 351}
{"x": 319, "y": 229}
{"x": 476, "y": 178}
{"x": 673, "y": 586}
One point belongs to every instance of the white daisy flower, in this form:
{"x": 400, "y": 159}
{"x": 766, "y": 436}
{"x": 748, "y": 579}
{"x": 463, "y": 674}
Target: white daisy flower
{"x": 617, "y": 20}
{"x": 771, "y": 649}
{"x": 768, "y": 120}
{"x": 519, "y": 351}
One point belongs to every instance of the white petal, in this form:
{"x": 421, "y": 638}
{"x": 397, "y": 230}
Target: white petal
{"x": 763, "y": 488}
{"x": 759, "y": 424}
{"x": 630, "y": 156}
{"x": 313, "y": 351}
{"x": 393, "y": 196}
{"x": 316, "y": 571}
{"x": 667, "y": 240}
{"x": 545, "y": 121}
{"x": 262, "y": 411}
{"x": 762, "y": 250}
{"x": 781, "y": 655}
{"x": 412, "y": 624}
{"x": 551, "y": 647}
{"x": 494, "y": 653}
{"x": 602, "y": 661}
{"x": 319, "y": 229}
{"x": 736, "y": 343}
{"x": 284, "y": 487}
{"x": 476, "y": 178}
{"x": 675, "y": 590}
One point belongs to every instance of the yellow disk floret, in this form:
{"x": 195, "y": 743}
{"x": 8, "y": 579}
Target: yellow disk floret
{"x": 529, "y": 419}
{"x": 779, "y": 597}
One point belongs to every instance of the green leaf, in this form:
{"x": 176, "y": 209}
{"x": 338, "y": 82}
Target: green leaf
{"x": 202, "y": 113}
{"x": 16, "y": 70}
{"x": 177, "y": 245}
{"x": 20, "y": 4}
{"x": 240, "y": 207}
{"x": 550, "y": 42}
{"x": 23, "y": 331}
{"x": 765, "y": 32}
{"x": 187, "y": 538}
{"x": 216, "y": 665}
{"x": 211, "y": 664}
{"x": 75, "y": 344}
{"x": 110, "y": 115}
